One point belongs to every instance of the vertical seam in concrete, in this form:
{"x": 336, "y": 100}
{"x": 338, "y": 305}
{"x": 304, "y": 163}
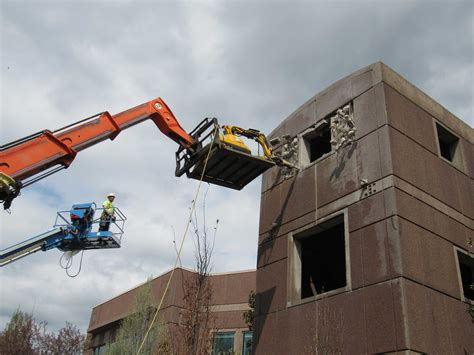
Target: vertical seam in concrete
{"x": 404, "y": 314}
{"x": 388, "y": 142}
{"x": 316, "y": 192}
{"x": 378, "y": 128}
{"x": 449, "y": 325}
{"x": 393, "y": 306}
{"x": 361, "y": 249}
{"x": 347, "y": 249}
{"x": 365, "y": 321}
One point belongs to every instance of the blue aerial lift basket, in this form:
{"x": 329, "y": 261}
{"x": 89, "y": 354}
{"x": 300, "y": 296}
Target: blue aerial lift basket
{"x": 73, "y": 230}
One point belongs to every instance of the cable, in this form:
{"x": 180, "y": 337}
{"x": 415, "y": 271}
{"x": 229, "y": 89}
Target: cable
{"x": 69, "y": 264}
{"x": 80, "y": 266}
{"x": 193, "y": 205}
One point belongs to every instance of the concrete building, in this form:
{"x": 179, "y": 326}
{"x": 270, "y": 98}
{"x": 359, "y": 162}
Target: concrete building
{"x": 365, "y": 250}
{"x": 229, "y": 301}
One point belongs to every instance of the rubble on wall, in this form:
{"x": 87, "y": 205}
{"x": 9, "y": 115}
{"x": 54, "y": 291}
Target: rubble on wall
{"x": 342, "y": 127}
{"x": 290, "y": 154}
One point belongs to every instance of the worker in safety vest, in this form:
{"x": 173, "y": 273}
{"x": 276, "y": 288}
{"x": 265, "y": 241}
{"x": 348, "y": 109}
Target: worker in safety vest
{"x": 108, "y": 213}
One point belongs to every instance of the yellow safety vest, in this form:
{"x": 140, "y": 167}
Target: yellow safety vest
{"x": 108, "y": 207}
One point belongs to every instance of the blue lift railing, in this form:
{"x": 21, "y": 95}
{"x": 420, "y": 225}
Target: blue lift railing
{"x": 74, "y": 230}
{"x": 91, "y": 239}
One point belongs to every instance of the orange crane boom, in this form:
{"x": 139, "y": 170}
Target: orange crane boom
{"x": 33, "y": 155}
{"x": 231, "y": 163}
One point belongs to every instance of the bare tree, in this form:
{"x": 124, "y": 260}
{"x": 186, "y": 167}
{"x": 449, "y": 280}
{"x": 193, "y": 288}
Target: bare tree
{"x": 22, "y": 335}
{"x": 68, "y": 340}
{"x": 197, "y": 321}
{"x": 25, "y": 335}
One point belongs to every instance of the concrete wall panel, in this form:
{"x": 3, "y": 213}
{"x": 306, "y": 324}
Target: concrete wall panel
{"x": 463, "y": 183}
{"x": 369, "y": 253}
{"x": 271, "y": 334}
{"x": 232, "y": 288}
{"x": 297, "y": 197}
{"x": 410, "y": 119}
{"x": 283, "y": 229}
{"x": 336, "y": 176}
{"x": 368, "y": 158}
{"x": 459, "y": 324}
{"x": 427, "y": 319}
{"x": 427, "y": 217}
{"x": 271, "y": 287}
{"x": 409, "y": 160}
{"x": 441, "y": 176}
{"x": 367, "y": 211}
{"x": 269, "y": 205}
{"x": 380, "y": 309}
{"x": 272, "y": 250}
{"x": 428, "y": 259}
{"x": 366, "y": 116}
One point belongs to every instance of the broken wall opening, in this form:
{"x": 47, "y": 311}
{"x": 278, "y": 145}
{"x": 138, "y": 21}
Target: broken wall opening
{"x": 330, "y": 134}
{"x": 316, "y": 142}
{"x": 323, "y": 258}
{"x": 320, "y": 143}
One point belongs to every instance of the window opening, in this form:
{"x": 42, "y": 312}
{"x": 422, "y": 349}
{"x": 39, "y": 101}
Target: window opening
{"x": 323, "y": 259}
{"x": 247, "y": 343}
{"x": 223, "y": 343}
{"x": 318, "y": 142}
{"x": 448, "y": 143}
{"x": 466, "y": 268}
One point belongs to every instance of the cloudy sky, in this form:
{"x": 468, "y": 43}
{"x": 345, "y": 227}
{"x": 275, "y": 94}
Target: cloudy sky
{"x": 249, "y": 63}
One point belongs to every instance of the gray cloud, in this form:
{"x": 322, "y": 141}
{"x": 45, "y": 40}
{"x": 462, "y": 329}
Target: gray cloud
{"x": 248, "y": 63}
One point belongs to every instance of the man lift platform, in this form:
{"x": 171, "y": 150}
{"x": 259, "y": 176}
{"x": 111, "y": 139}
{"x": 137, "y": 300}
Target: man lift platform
{"x": 73, "y": 231}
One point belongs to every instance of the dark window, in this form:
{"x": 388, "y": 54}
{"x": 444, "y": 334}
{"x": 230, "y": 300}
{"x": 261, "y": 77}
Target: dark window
{"x": 247, "y": 343}
{"x": 223, "y": 343}
{"x": 318, "y": 142}
{"x": 100, "y": 350}
{"x": 323, "y": 259}
{"x": 448, "y": 143}
{"x": 466, "y": 267}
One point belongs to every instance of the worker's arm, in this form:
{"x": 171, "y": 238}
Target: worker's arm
{"x": 41, "y": 154}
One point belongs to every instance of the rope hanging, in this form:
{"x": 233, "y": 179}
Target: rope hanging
{"x": 193, "y": 205}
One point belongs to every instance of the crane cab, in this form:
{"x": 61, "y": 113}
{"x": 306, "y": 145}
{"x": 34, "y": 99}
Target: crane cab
{"x": 230, "y": 164}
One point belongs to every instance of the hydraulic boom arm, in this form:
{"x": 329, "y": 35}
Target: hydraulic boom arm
{"x": 260, "y": 138}
{"x": 32, "y": 158}
{"x": 231, "y": 163}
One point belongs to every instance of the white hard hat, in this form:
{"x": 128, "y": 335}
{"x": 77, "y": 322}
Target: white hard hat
{"x": 111, "y": 195}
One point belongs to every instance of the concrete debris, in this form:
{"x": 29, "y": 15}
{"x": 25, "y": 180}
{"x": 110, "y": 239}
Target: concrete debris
{"x": 343, "y": 128}
{"x": 290, "y": 154}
